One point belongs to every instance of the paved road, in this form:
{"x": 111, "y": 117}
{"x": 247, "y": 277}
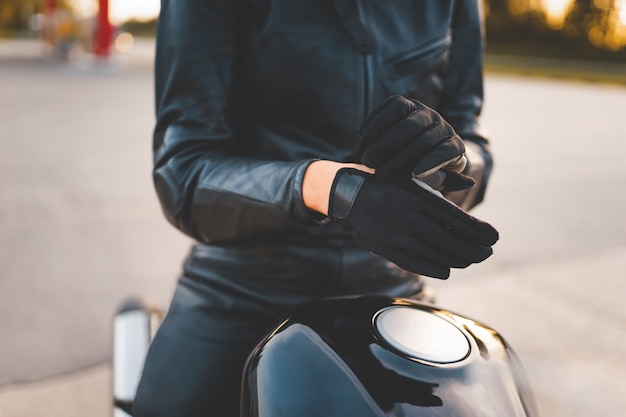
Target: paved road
{"x": 80, "y": 228}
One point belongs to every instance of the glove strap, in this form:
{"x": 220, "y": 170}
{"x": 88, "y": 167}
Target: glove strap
{"x": 345, "y": 188}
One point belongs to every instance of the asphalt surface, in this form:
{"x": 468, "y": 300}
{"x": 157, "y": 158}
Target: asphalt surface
{"x": 80, "y": 229}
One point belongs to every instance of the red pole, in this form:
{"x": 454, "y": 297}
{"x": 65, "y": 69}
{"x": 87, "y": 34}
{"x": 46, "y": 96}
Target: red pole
{"x": 51, "y": 5}
{"x": 48, "y": 29}
{"x": 104, "y": 31}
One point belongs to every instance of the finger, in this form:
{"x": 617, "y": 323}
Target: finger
{"x": 417, "y": 249}
{"x": 444, "y": 149}
{"x": 405, "y": 133}
{"x": 441, "y": 167}
{"x": 424, "y": 155}
{"x": 435, "y": 180}
{"x": 454, "y": 181}
{"x": 443, "y": 245}
{"x": 440, "y": 209}
{"x": 420, "y": 266}
{"x": 463, "y": 223}
{"x": 426, "y": 268}
{"x": 385, "y": 115}
{"x": 457, "y": 164}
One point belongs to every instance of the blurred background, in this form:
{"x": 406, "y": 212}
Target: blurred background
{"x": 80, "y": 226}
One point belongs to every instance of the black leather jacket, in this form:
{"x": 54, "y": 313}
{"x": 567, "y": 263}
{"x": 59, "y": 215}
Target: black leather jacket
{"x": 249, "y": 94}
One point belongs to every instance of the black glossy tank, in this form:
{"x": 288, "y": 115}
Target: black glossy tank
{"x": 382, "y": 357}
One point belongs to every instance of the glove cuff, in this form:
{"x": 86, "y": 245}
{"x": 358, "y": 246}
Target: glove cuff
{"x": 345, "y": 188}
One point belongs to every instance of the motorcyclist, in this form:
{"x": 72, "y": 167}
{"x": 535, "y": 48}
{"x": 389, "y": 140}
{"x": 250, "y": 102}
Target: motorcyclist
{"x": 259, "y": 157}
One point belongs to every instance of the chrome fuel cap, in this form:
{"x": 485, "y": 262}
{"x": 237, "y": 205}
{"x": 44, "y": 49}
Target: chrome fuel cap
{"x": 421, "y": 335}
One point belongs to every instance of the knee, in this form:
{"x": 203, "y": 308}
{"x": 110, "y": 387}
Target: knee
{"x": 174, "y": 392}
{"x": 190, "y": 405}
{"x": 153, "y": 403}
{"x": 150, "y": 404}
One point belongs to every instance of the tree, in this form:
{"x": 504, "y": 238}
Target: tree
{"x": 15, "y": 14}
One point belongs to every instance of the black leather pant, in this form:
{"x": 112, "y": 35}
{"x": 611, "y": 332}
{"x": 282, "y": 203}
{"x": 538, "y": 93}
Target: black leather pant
{"x": 228, "y": 298}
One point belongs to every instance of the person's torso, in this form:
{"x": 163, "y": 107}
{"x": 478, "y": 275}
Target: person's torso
{"x": 314, "y": 69}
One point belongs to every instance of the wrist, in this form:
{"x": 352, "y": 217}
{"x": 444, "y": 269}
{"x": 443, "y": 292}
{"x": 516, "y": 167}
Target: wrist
{"x": 318, "y": 181}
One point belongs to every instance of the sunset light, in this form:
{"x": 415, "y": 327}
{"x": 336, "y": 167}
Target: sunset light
{"x": 556, "y": 10}
{"x": 621, "y": 7}
{"x": 604, "y": 26}
{"x": 120, "y": 10}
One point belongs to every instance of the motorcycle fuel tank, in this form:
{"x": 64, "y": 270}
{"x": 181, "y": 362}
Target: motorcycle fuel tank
{"x": 383, "y": 357}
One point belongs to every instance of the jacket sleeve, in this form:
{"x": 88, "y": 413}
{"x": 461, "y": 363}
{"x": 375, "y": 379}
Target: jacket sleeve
{"x": 207, "y": 186}
{"x": 463, "y": 95}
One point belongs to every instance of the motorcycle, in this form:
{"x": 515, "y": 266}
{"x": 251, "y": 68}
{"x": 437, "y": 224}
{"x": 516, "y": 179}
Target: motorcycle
{"x": 366, "y": 356}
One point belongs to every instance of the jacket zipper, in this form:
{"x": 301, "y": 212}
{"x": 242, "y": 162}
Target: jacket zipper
{"x": 367, "y": 81}
{"x": 367, "y": 64}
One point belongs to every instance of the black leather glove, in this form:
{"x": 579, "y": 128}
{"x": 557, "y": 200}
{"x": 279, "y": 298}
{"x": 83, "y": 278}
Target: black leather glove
{"x": 402, "y": 136}
{"x": 479, "y": 165}
{"x": 408, "y": 225}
